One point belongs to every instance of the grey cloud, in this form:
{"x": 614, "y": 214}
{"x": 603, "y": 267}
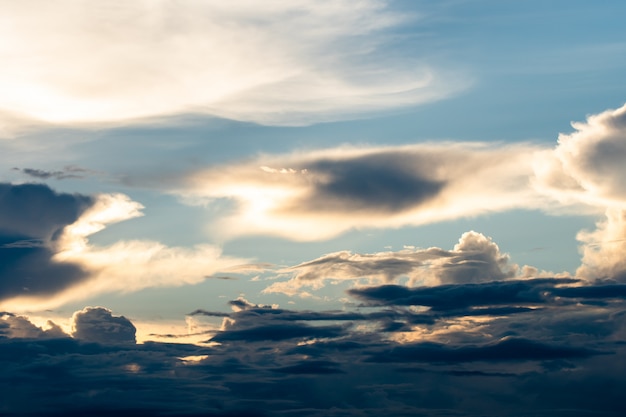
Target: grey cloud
{"x": 510, "y": 349}
{"x": 356, "y": 371}
{"x": 14, "y": 326}
{"x": 446, "y": 297}
{"x": 31, "y": 216}
{"x": 279, "y": 331}
{"x": 36, "y": 211}
{"x": 68, "y": 172}
{"x": 386, "y": 182}
{"x": 97, "y": 324}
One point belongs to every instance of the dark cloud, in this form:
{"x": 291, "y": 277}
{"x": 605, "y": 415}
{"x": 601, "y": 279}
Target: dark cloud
{"x": 31, "y": 216}
{"x": 99, "y": 325}
{"x": 276, "y": 332}
{"x": 449, "y": 297}
{"x": 15, "y": 326}
{"x": 68, "y": 172}
{"x": 387, "y": 182}
{"x": 510, "y": 349}
{"x": 276, "y": 362}
{"x": 35, "y": 211}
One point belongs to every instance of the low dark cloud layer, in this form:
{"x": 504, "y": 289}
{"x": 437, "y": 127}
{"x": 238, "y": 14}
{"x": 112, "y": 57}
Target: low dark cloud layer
{"x": 542, "y": 347}
{"x": 269, "y": 361}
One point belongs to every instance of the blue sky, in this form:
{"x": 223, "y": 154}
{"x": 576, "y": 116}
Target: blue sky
{"x": 160, "y": 158}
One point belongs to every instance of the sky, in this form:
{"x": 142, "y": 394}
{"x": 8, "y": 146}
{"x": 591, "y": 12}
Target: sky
{"x": 312, "y": 208}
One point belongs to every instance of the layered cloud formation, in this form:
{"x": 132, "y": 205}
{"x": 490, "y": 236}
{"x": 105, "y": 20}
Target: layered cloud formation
{"x": 280, "y": 62}
{"x": 47, "y": 259}
{"x": 546, "y": 347}
{"x": 319, "y": 195}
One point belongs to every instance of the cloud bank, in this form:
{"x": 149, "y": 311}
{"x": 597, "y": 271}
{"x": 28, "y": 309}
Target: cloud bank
{"x": 285, "y": 63}
{"x": 541, "y": 347}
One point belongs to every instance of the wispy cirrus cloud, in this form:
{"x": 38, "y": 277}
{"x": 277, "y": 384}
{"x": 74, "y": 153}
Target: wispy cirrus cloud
{"x": 285, "y": 63}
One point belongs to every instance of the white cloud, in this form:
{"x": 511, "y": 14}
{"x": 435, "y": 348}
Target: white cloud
{"x": 275, "y": 62}
{"x": 319, "y": 195}
{"x": 587, "y": 169}
{"x": 587, "y": 166}
{"x": 475, "y": 258}
{"x": 124, "y": 266}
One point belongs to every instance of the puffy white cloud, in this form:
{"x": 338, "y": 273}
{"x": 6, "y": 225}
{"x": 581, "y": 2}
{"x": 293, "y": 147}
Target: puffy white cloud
{"x": 276, "y": 62}
{"x": 321, "y": 194}
{"x": 603, "y": 249}
{"x": 587, "y": 166}
{"x": 474, "y": 259}
{"x": 587, "y": 169}
{"x": 98, "y": 324}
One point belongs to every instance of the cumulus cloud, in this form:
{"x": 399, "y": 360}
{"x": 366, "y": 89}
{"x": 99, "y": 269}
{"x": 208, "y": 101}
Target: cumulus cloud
{"x": 321, "y": 194}
{"x": 587, "y": 165}
{"x": 475, "y": 258}
{"x": 587, "y": 168}
{"x": 14, "y": 326}
{"x": 99, "y": 325}
{"x": 277, "y": 62}
{"x": 47, "y": 258}
{"x": 603, "y": 249}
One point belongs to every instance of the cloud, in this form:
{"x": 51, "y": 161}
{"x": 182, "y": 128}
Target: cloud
{"x": 47, "y": 259}
{"x": 508, "y": 349}
{"x": 475, "y": 258}
{"x": 443, "y": 297}
{"x": 99, "y": 325}
{"x": 586, "y": 168}
{"x": 32, "y": 216}
{"x": 22, "y": 212}
{"x": 280, "y": 62}
{"x": 281, "y": 362}
{"x": 68, "y": 172}
{"x": 14, "y": 326}
{"x": 587, "y": 165}
{"x": 319, "y": 195}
